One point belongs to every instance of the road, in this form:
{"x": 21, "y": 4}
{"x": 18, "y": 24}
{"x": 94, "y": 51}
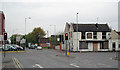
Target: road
{"x": 49, "y": 58}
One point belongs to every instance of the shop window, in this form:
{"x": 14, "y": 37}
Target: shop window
{"x": 104, "y": 45}
{"x": 83, "y": 45}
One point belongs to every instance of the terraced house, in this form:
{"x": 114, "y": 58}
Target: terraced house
{"x": 88, "y": 37}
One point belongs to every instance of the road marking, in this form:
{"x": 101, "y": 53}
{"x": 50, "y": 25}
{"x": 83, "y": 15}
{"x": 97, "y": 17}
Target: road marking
{"x": 39, "y": 65}
{"x": 18, "y": 63}
{"x": 74, "y": 65}
{"x": 11, "y": 51}
{"x": 111, "y": 58}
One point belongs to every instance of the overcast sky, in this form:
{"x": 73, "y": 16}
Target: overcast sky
{"x": 47, "y": 13}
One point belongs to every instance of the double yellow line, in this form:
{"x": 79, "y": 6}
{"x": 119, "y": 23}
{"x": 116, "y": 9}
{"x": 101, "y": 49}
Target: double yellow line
{"x": 18, "y": 63}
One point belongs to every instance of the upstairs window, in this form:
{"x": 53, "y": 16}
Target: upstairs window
{"x": 95, "y": 35}
{"x": 89, "y": 35}
{"x": 83, "y": 35}
{"x": 103, "y": 35}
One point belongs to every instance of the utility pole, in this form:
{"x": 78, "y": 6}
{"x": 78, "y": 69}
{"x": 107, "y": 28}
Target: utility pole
{"x": 97, "y": 19}
{"x": 25, "y": 31}
{"x": 77, "y": 30}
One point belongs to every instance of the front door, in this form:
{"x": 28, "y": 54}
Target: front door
{"x": 95, "y": 46}
{"x": 113, "y": 46}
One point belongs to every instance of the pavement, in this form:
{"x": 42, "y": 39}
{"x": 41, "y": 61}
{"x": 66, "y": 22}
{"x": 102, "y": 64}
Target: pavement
{"x": 50, "y": 58}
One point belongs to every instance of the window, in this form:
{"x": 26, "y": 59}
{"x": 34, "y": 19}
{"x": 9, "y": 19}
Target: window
{"x": 103, "y": 35}
{"x": 83, "y": 35}
{"x": 83, "y": 45}
{"x": 89, "y": 35}
{"x": 119, "y": 45}
{"x": 95, "y": 35}
{"x": 104, "y": 45}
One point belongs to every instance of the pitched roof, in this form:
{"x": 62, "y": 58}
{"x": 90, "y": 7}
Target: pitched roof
{"x": 118, "y": 33}
{"x": 91, "y": 27}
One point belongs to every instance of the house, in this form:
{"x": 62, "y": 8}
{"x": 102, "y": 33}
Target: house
{"x": 2, "y": 26}
{"x": 114, "y": 43}
{"x": 88, "y": 37}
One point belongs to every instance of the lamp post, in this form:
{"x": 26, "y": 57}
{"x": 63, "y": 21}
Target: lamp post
{"x": 77, "y": 30}
{"x": 54, "y": 33}
{"x": 25, "y": 31}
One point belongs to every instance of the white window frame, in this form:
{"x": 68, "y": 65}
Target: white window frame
{"x": 87, "y": 37}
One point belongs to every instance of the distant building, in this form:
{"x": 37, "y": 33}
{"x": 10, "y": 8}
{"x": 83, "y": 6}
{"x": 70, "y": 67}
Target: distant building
{"x": 44, "y": 42}
{"x": 91, "y": 37}
{"x": 2, "y": 26}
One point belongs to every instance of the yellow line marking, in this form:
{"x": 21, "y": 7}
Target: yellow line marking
{"x": 18, "y": 63}
{"x": 111, "y": 58}
{"x": 11, "y": 51}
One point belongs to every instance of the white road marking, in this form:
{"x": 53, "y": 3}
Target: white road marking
{"x": 38, "y": 65}
{"x": 74, "y": 65}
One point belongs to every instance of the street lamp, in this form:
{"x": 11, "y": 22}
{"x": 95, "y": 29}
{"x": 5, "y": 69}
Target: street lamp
{"x": 54, "y": 32}
{"x": 54, "y": 28}
{"x": 25, "y": 31}
{"x": 77, "y": 30}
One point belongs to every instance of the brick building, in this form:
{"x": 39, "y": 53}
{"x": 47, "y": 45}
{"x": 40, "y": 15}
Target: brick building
{"x": 2, "y": 26}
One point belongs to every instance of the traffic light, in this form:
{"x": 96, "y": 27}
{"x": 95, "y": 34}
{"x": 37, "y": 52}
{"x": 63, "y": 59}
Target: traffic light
{"x": 61, "y": 38}
{"x": 66, "y": 36}
{"x": 5, "y": 36}
{"x": 63, "y": 41}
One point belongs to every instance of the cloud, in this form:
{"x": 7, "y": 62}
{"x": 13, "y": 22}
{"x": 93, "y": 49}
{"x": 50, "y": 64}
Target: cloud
{"x": 56, "y": 13}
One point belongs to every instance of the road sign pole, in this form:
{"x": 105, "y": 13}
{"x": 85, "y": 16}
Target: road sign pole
{"x": 4, "y": 47}
{"x": 66, "y": 47}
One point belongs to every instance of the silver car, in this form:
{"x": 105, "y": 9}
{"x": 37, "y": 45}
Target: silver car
{"x": 39, "y": 48}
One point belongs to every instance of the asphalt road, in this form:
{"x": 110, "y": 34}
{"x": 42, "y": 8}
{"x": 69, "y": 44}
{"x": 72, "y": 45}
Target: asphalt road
{"x": 49, "y": 58}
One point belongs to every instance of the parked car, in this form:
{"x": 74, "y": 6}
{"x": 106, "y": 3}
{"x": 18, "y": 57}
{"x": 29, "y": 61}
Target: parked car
{"x": 17, "y": 47}
{"x": 1, "y": 47}
{"x": 32, "y": 47}
{"x": 11, "y": 48}
{"x": 8, "y": 48}
{"x": 39, "y": 48}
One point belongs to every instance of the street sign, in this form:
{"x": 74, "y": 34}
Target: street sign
{"x": 17, "y": 38}
{"x": 23, "y": 41}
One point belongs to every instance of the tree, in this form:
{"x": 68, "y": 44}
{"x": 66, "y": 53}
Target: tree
{"x": 35, "y": 35}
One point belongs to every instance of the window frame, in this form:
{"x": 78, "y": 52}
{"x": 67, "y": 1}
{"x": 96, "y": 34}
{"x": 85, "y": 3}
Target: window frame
{"x": 91, "y": 35}
{"x": 104, "y": 35}
{"x": 94, "y": 35}
{"x": 83, "y": 35}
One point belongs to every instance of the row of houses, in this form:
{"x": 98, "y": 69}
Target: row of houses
{"x": 91, "y": 37}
